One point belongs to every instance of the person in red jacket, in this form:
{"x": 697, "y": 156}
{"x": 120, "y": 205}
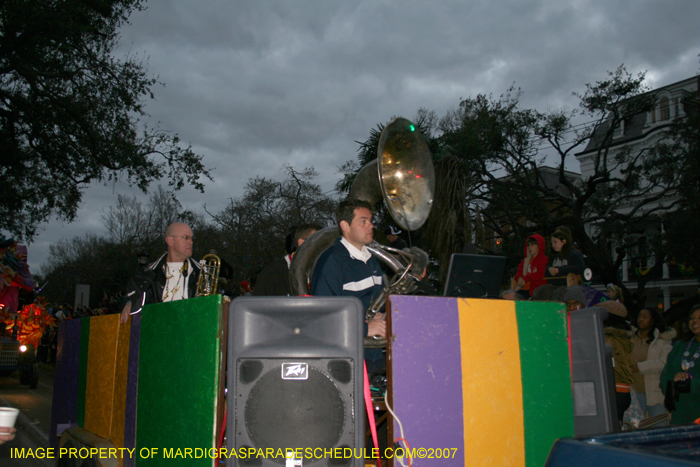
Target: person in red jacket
{"x": 531, "y": 270}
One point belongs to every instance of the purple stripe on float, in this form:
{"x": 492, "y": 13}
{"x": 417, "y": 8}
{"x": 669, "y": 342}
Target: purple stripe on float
{"x": 131, "y": 386}
{"x": 64, "y": 412}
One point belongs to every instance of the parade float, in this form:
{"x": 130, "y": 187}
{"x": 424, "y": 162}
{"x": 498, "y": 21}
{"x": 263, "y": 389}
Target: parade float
{"x": 21, "y": 326}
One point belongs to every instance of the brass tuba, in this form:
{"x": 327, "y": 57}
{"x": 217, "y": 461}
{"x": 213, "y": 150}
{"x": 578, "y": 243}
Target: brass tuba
{"x": 402, "y": 175}
{"x": 208, "y": 276}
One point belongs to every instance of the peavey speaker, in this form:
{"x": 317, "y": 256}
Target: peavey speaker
{"x": 592, "y": 374}
{"x": 295, "y": 369}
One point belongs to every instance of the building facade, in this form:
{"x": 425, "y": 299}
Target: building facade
{"x": 635, "y": 134}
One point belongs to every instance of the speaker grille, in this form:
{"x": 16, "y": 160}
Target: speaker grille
{"x": 295, "y": 413}
{"x": 250, "y": 370}
{"x": 341, "y": 370}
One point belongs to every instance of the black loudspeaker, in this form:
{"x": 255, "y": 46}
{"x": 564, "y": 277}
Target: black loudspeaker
{"x": 295, "y": 374}
{"x": 592, "y": 374}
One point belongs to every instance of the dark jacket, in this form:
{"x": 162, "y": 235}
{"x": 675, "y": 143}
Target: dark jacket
{"x": 424, "y": 288}
{"x": 146, "y": 287}
{"x": 273, "y": 280}
{"x": 688, "y": 404}
{"x": 571, "y": 263}
{"x": 399, "y": 244}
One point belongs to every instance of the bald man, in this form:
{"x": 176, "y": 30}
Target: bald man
{"x": 172, "y": 277}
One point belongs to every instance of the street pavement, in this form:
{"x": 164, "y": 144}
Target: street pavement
{"x": 34, "y": 421}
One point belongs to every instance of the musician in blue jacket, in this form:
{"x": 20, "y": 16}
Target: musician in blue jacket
{"x": 347, "y": 268}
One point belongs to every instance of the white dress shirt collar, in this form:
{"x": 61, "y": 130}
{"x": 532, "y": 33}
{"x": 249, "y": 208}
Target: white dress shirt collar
{"x": 363, "y": 255}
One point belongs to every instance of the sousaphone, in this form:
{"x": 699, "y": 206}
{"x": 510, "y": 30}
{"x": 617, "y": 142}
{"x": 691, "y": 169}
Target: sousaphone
{"x": 404, "y": 177}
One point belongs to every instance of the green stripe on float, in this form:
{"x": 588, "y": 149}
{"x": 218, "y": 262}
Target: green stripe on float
{"x": 548, "y": 411}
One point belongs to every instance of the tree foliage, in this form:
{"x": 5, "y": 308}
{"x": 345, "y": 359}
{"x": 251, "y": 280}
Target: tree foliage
{"x": 254, "y": 225}
{"x": 132, "y": 223}
{"x": 90, "y": 259}
{"x": 488, "y": 140}
{"x": 70, "y": 111}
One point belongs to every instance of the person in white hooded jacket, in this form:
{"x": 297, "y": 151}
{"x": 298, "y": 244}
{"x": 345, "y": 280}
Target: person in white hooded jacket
{"x": 651, "y": 345}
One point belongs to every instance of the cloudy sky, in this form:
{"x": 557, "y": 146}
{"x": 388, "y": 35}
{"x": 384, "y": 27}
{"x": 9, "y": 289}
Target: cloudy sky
{"x": 252, "y": 85}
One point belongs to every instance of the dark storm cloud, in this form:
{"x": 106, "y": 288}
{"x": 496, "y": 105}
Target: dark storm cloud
{"x": 256, "y": 84}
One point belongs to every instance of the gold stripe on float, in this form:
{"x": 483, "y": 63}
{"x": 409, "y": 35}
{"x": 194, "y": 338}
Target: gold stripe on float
{"x": 99, "y": 391}
{"x": 492, "y": 393}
